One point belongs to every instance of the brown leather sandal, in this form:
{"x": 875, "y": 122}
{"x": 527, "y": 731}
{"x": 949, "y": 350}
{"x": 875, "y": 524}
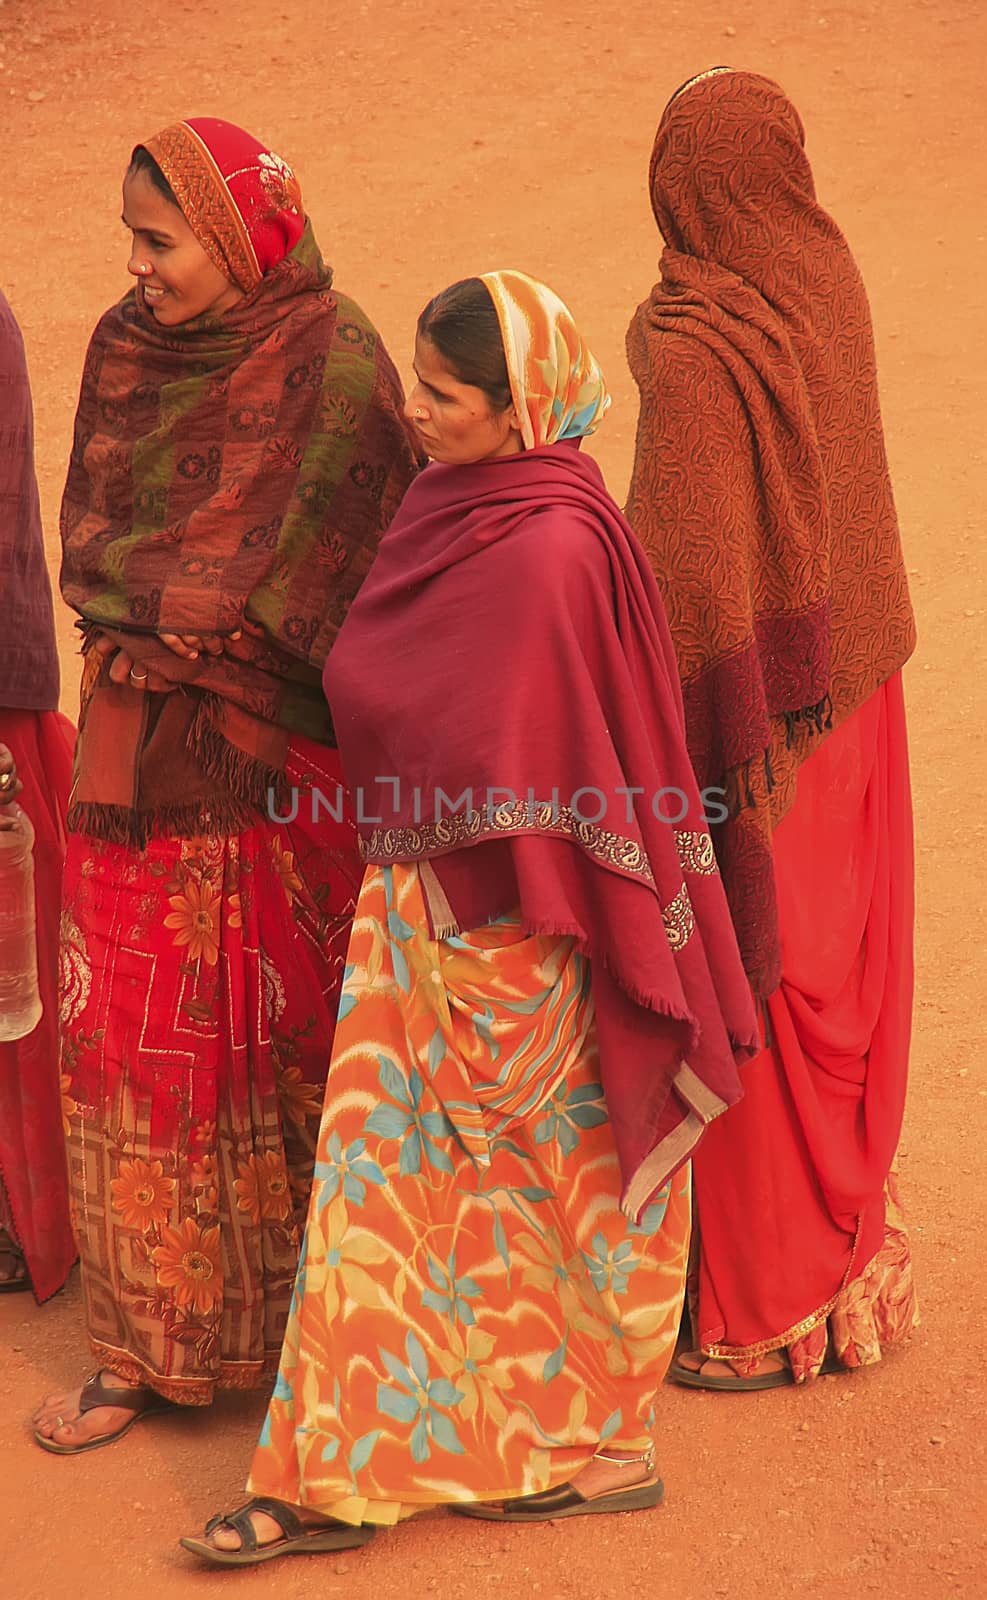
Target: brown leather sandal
{"x": 566, "y": 1501}
{"x": 780, "y": 1377}
{"x": 297, "y": 1537}
{"x": 141, "y": 1402}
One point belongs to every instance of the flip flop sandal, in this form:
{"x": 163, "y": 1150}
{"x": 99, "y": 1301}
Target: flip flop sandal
{"x": 565, "y": 1501}
{"x": 142, "y": 1402}
{"x": 298, "y": 1538}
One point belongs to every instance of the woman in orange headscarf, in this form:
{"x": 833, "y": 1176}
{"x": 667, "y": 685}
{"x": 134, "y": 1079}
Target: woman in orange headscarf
{"x": 495, "y": 1253}
{"x": 239, "y": 449}
{"x": 760, "y": 492}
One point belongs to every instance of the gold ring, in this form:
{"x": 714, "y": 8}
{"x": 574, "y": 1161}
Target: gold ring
{"x": 138, "y": 677}
{"x": 6, "y": 779}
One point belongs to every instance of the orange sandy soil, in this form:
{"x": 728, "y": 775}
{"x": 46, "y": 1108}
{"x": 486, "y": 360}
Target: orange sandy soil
{"x": 435, "y": 141}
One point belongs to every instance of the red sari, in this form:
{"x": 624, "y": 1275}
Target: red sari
{"x": 33, "y": 1177}
{"x": 790, "y": 1187}
{"x": 33, "y": 1187}
{"x": 762, "y": 496}
{"x": 230, "y": 475}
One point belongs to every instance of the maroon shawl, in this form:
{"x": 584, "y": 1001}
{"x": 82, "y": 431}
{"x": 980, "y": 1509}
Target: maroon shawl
{"x": 511, "y": 638}
{"x": 760, "y": 488}
{"x": 28, "y": 660}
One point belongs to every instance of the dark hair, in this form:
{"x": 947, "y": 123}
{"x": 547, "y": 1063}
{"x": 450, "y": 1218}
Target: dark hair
{"x": 462, "y": 324}
{"x": 141, "y": 160}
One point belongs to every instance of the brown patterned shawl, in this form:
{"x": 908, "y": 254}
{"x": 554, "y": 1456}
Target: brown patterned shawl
{"x": 233, "y": 470}
{"x": 760, "y": 487}
{"x": 28, "y": 659}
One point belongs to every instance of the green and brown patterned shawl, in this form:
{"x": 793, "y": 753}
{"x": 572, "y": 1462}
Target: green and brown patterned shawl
{"x": 232, "y": 473}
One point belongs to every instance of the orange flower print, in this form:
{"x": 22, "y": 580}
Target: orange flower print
{"x": 248, "y": 1190}
{"x": 187, "y": 1262}
{"x": 298, "y": 1100}
{"x": 142, "y": 1194}
{"x": 196, "y": 918}
{"x": 234, "y": 911}
{"x": 204, "y": 1183}
{"x": 464, "y": 1361}
{"x": 262, "y": 1188}
{"x": 69, "y": 1107}
{"x": 284, "y": 861}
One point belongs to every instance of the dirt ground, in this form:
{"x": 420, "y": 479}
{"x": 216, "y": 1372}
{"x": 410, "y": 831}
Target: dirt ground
{"x": 438, "y": 140}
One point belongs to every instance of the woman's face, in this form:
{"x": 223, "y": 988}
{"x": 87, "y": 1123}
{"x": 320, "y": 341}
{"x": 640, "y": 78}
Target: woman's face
{"x": 178, "y": 279}
{"x": 454, "y": 420}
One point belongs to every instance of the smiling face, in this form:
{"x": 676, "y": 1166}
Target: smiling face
{"x": 178, "y": 279}
{"x": 455, "y": 421}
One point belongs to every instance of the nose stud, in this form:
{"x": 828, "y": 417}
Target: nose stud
{"x": 419, "y": 414}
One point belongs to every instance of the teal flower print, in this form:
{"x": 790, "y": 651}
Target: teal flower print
{"x": 654, "y": 1215}
{"x": 347, "y": 999}
{"x": 351, "y": 1168}
{"x": 416, "y": 1130}
{"x": 583, "y": 1107}
{"x": 451, "y": 1296}
{"x": 416, "y": 1399}
{"x": 610, "y": 1270}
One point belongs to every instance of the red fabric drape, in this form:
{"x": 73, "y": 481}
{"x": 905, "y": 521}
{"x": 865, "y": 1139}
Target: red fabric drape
{"x": 32, "y": 1143}
{"x": 790, "y": 1185}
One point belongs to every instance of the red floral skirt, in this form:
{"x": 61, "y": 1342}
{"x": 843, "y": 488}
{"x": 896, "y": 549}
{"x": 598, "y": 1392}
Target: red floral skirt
{"x": 200, "y": 980}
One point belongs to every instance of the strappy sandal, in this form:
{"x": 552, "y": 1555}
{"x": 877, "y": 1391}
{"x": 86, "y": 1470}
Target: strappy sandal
{"x": 566, "y": 1501}
{"x": 12, "y": 1253}
{"x": 782, "y": 1378}
{"x": 141, "y": 1402}
{"x": 298, "y": 1538}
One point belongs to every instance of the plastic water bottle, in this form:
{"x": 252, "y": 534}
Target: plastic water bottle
{"x": 20, "y": 1001}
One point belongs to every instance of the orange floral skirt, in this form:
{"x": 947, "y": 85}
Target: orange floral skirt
{"x": 199, "y": 982}
{"x": 474, "y": 1315}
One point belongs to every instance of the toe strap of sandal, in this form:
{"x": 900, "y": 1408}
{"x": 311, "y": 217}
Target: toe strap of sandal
{"x": 290, "y": 1525}
{"x": 96, "y": 1393}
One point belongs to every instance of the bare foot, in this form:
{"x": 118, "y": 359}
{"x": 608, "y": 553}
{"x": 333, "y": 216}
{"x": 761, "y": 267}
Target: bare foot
{"x": 58, "y": 1417}
{"x": 600, "y": 1477}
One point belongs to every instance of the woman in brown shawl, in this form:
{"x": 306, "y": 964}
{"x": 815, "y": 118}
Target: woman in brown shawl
{"x": 239, "y": 450}
{"x": 36, "y": 1248}
{"x": 761, "y": 494}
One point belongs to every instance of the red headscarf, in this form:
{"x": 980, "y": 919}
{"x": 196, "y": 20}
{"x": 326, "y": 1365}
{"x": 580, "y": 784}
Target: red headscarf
{"x": 242, "y": 202}
{"x": 760, "y": 487}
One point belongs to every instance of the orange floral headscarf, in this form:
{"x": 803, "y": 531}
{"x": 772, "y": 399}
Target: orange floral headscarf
{"x": 556, "y": 383}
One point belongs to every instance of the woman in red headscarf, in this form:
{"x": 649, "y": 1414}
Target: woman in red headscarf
{"x": 761, "y": 494}
{"x": 36, "y": 1248}
{"x": 239, "y": 449}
